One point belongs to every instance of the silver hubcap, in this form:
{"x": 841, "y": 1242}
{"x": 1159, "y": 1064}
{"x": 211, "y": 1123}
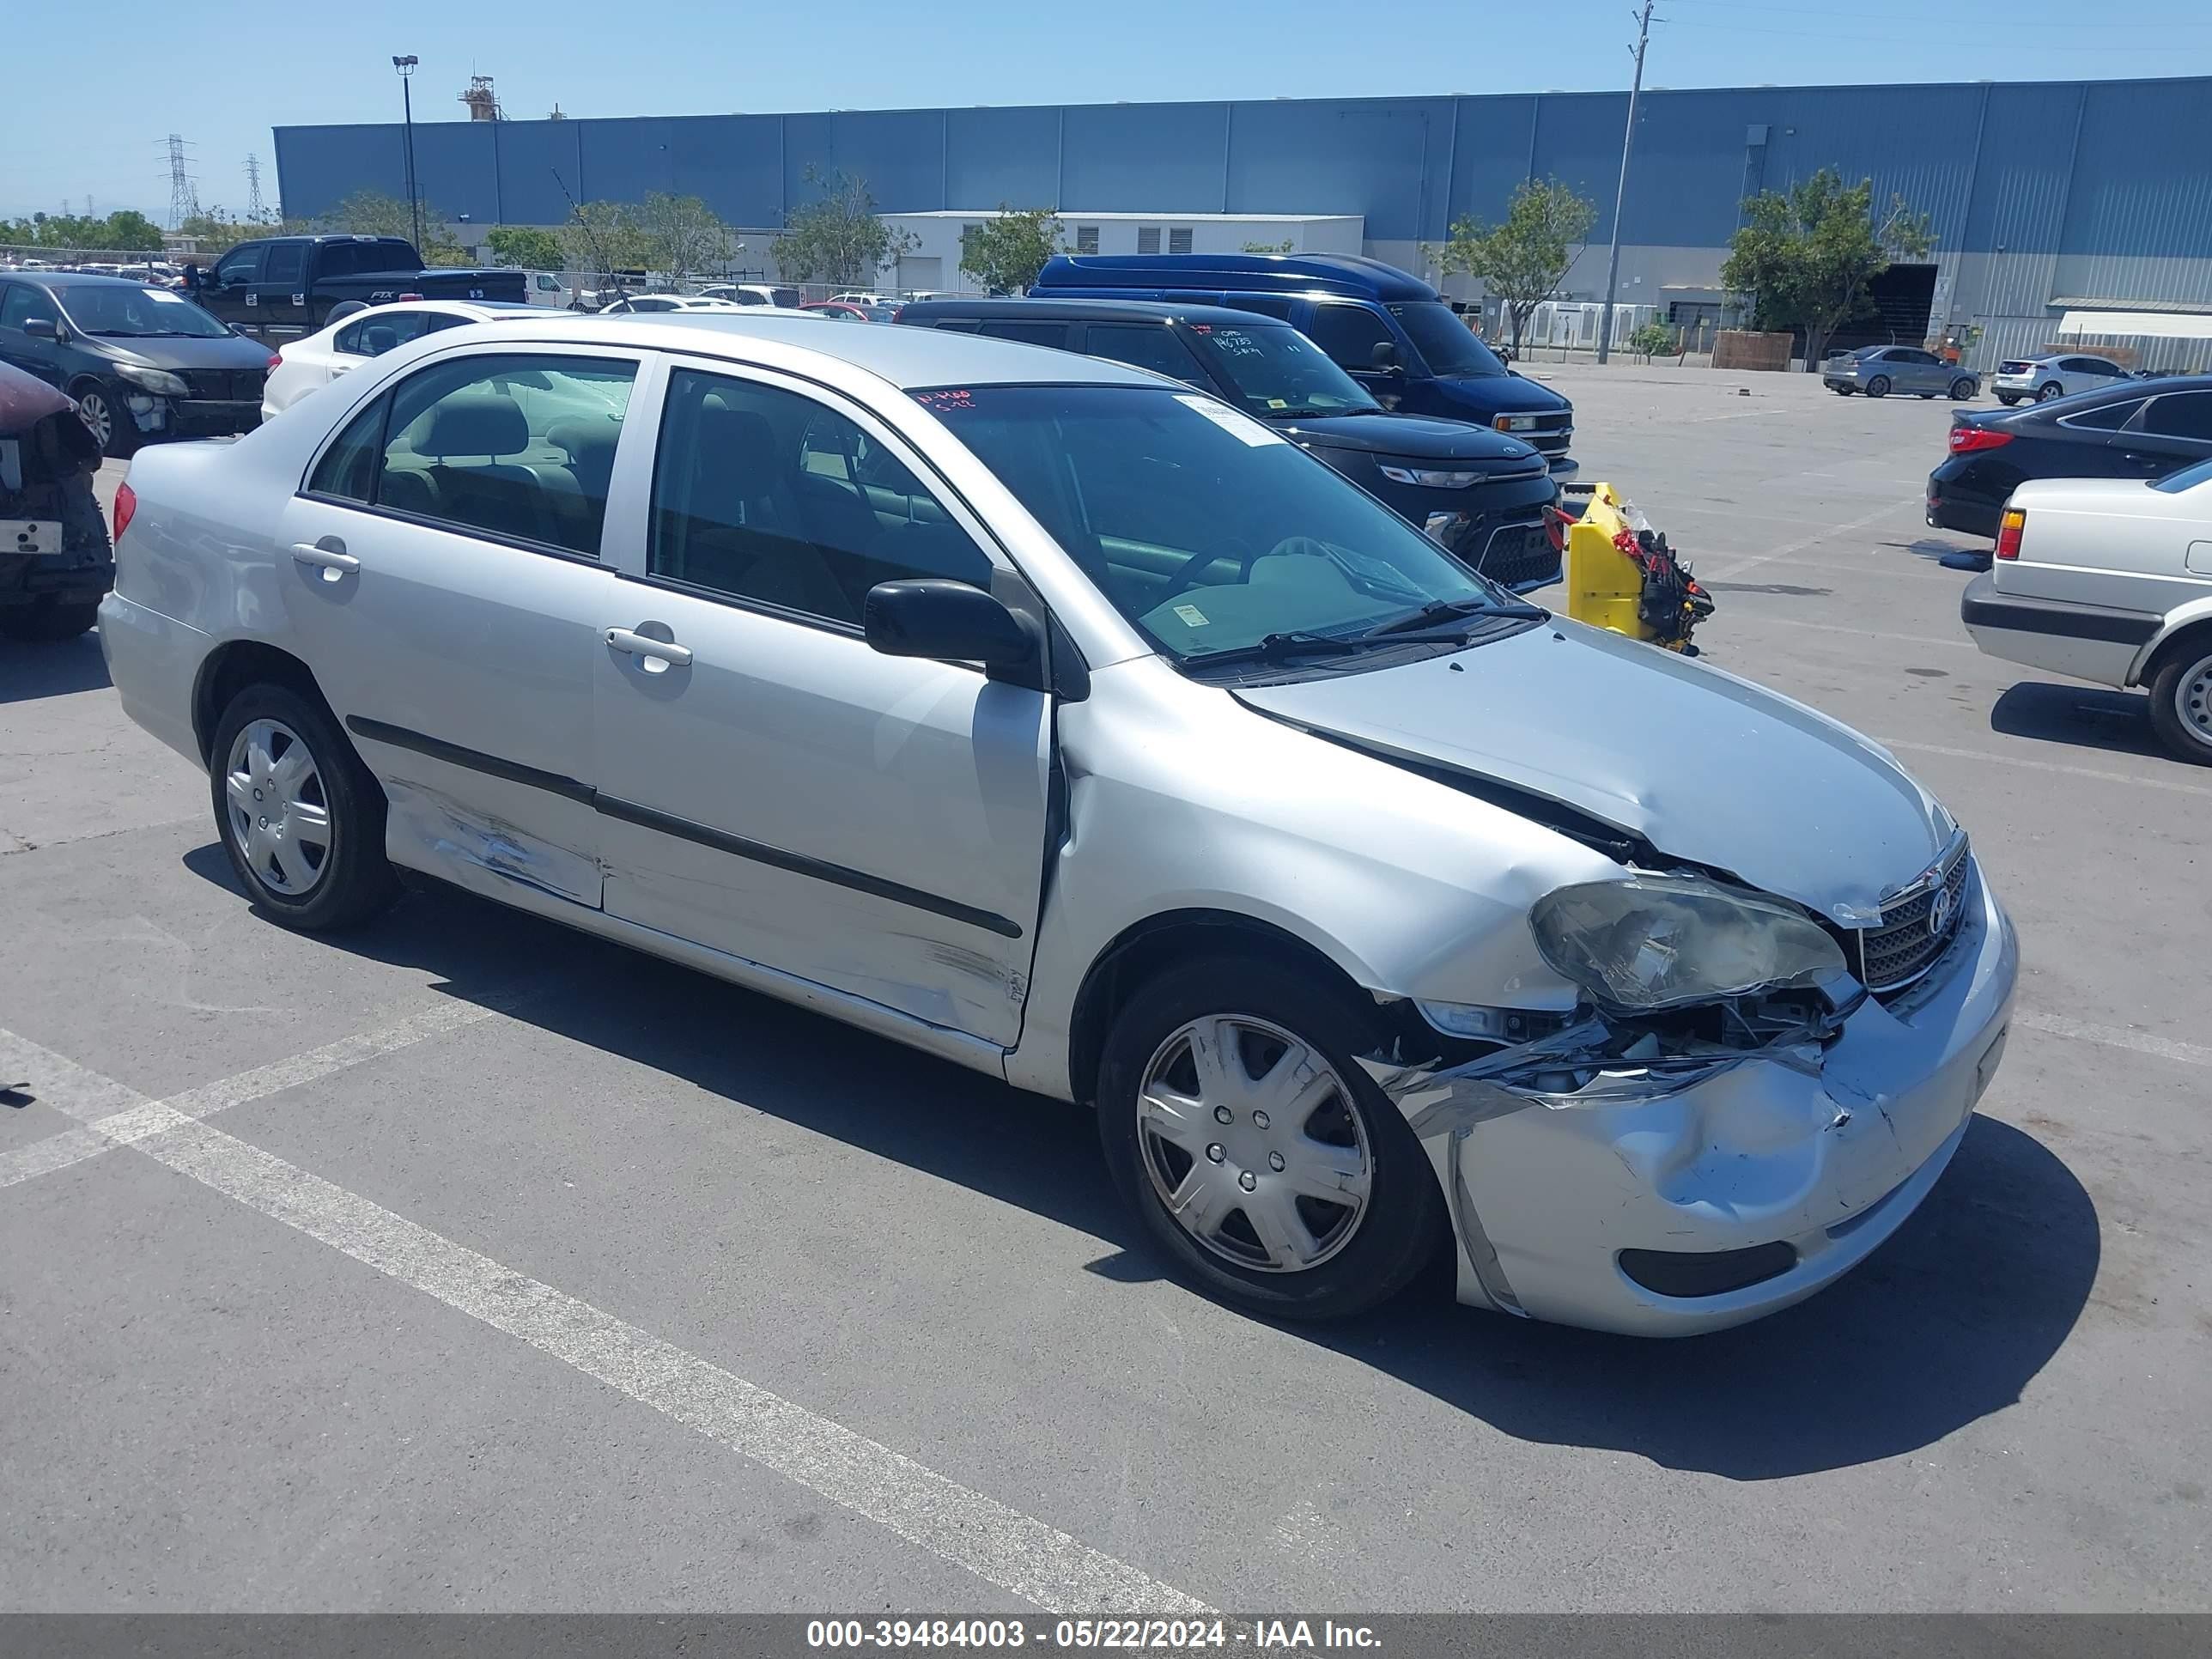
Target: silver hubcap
{"x": 2192, "y": 702}
{"x": 279, "y": 816}
{"x": 1251, "y": 1140}
{"x": 92, "y": 407}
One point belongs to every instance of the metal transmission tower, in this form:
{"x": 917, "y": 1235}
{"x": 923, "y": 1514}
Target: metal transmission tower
{"x": 257, "y": 210}
{"x": 1621, "y": 191}
{"x": 184, "y": 190}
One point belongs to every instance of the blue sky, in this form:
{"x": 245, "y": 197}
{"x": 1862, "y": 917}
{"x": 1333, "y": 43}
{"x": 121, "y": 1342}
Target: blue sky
{"x": 96, "y": 90}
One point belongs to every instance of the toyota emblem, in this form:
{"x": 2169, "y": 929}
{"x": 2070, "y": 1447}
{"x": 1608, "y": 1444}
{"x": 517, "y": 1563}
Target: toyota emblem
{"x": 1939, "y": 913}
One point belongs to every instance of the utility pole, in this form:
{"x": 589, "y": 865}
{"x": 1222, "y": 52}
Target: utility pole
{"x": 406, "y": 67}
{"x": 1621, "y": 192}
{"x": 257, "y": 210}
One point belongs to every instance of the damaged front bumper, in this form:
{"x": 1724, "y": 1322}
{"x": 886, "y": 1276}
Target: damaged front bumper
{"x": 1696, "y": 1191}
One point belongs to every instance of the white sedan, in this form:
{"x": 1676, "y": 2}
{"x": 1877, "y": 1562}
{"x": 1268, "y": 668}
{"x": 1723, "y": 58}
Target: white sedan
{"x": 303, "y": 365}
{"x": 2109, "y": 580}
{"x": 1067, "y": 723}
{"x": 642, "y": 303}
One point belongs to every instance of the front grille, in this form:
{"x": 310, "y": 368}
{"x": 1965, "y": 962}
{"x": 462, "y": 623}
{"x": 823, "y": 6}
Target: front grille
{"x": 1915, "y": 929}
{"x": 1518, "y": 555}
{"x": 223, "y": 385}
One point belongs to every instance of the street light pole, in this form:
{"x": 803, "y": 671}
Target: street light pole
{"x": 1621, "y": 191}
{"x": 406, "y": 67}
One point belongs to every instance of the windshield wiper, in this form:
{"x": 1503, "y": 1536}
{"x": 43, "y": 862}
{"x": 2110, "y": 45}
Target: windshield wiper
{"x": 1438, "y": 610}
{"x": 1277, "y": 647}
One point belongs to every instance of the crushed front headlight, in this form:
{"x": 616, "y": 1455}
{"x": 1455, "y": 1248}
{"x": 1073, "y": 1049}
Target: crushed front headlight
{"x": 1654, "y": 942}
{"x": 159, "y": 382}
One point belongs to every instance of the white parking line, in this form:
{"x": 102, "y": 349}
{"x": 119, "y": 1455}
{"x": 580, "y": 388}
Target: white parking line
{"x": 1862, "y": 633}
{"x": 1001, "y": 1546}
{"x": 2173, "y": 785}
{"x": 1826, "y": 532}
{"x": 2116, "y": 1037}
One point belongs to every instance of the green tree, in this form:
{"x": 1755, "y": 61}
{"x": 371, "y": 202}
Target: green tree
{"x": 1007, "y": 253}
{"x": 1806, "y": 257}
{"x": 372, "y": 213}
{"x": 532, "y": 250}
{"x": 1523, "y": 258}
{"x": 688, "y": 236}
{"x": 600, "y": 238}
{"x": 1651, "y": 338}
{"x": 837, "y": 238}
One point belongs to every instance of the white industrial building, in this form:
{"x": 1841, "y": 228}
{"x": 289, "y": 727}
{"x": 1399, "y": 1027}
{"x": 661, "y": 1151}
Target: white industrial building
{"x": 935, "y": 261}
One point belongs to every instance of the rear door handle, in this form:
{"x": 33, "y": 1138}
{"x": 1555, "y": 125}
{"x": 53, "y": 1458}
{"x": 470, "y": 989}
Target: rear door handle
{"x": 336, "y": 561}
{"x": 667, "y": 652}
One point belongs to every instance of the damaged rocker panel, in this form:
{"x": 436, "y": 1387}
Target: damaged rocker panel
{"x": 628, "y": 811}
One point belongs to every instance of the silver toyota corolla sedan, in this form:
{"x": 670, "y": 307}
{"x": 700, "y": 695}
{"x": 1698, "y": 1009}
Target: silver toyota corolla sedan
{"x": 1068, "y": 724}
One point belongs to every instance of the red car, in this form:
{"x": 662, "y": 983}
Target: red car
{"x": 845, "y": 311}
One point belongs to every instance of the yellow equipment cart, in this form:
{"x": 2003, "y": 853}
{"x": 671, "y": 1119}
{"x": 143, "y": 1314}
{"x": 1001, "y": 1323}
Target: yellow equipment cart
{"x": 1622, "y": 575}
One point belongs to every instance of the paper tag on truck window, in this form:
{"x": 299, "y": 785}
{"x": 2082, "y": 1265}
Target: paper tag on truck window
{"x": 1191, "y": 614}
{"x": 1240, "y": 426}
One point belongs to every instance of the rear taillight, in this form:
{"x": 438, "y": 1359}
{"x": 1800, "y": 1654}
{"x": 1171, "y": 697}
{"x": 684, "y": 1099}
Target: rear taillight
{"x": 126, "y": 503}
{"x": 276, "y": 360}
{"x": 2010, "y": 529}
{"x": 1965, "y": 440}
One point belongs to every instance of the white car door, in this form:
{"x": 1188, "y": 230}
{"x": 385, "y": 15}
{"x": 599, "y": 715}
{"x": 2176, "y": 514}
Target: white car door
{"x": 446, "y": 583}
{"x": 769, "y": 785}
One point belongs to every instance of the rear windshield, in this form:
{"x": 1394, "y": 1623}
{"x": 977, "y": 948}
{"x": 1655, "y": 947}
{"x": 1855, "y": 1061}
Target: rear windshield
{"x": 1446, "y": 343}
{"x": 1278, "y": 372}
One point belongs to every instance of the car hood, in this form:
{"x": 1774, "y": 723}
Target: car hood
{"x": 1704, "y": 766}
{"x": 1417, "y": 436}
{"x": 1506, "y": 394}
{"x": 219, "y": 351}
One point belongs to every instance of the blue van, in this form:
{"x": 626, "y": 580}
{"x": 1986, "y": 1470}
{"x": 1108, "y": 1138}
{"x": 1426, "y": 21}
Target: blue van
{"x": 1385, "y": 328}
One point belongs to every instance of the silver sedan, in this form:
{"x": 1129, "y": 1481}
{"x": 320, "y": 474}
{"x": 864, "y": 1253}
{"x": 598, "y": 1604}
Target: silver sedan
{"x": 1068, "y": 724}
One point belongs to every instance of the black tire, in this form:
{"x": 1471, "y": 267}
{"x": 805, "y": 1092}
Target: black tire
{"x": 102, "y": 408}
{"x": 2181, "y": 701}
{"x": 2007, "y": 399}
{"x": 1878, "y": 386}
{"x": 1924, "y": 396}
{"x": 47, "y": 620}
{"x": 2049, "y": 390}
{"x": 1964, "y": 389}
{"x": 1404, "y": 1221}
{"x": 355, "y": 880}
{"x": 1841, "y": 390}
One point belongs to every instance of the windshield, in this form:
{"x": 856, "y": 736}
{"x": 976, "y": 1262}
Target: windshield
{"x": 1278, "y": 372}
{"x": 1209, "y": 531}
{"x": 1446, "y": 343}
{"x": 119, "y": 311}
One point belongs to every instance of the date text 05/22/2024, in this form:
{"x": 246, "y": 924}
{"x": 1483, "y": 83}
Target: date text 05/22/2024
{"x": 1255, "y": 1636}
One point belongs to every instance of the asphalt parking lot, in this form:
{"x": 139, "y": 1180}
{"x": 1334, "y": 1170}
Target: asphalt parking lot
{"x": 466, "y": 1264}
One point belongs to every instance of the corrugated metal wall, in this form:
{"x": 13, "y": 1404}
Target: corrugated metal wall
{"x": 2100, "y": 190}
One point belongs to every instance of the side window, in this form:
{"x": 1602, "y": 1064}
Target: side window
{"x": 1268, "y": 304}
{"x": 2181, "y": 415}
{"x": 519, "y": 446}
{"x": 1349, "y": 334}
{"x": 1012, "y": 328}
{"x": 285, "y": 262}
{"x": 347, "y": 340}
{"x": 240, "y": 265}
{"x": 382, "y": 331}
{"x": 2111, "y": 418}
{"x": 765, "y": 494}
{"x": 22, "y": 303}
{"x": 2100, "y": 366}
{"x": 348, "y": 469}
{"x": 1145, "y": 345}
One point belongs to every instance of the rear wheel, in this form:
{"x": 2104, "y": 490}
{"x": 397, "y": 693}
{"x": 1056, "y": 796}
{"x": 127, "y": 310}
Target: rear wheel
{"x": 1963, "y": 388}
{"x": 300, "y": 817}
{"x": 1265, "y": 1164}
{"x": 2181, "y": 701}
{"x": 2007, "y": 399}
{"x": 1878, "y": 386}
{"x": 2049, "y": 390}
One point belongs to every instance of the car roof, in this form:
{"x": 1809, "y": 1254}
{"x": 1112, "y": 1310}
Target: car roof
{"x": 1076, "y": 311}
{"x": 78, "y": 279}
{"x": 773, "y": 338}
{"x": 1344, "y": 274}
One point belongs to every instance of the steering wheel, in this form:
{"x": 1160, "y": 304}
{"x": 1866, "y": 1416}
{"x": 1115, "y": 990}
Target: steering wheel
{"x": 1233, "y": 547}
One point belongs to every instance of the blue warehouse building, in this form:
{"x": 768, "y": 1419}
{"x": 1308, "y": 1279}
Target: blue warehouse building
{"x": 2046, "y": 197}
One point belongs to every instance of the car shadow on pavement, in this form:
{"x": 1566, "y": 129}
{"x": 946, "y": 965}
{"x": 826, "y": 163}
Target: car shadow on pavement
{"x": 30, "y": 670}
{"x": 1947, "y": 1323}
{"x": 2080, "y": 716}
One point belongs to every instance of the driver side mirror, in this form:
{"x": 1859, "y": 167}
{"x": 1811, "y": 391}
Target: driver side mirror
{"x": 42, "y": 328}
{"x": 952, "y": 622}
{"x": 1384, "y": 358}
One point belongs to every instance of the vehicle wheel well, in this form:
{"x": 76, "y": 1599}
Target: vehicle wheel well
{"x": 1156, "y": 943}
{"x": 2191, "y": 636}
{"x": 231, "y": 668}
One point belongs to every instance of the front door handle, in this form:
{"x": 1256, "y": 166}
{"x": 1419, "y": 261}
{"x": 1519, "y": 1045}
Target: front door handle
{"x": 667, "y": 652}
{"x": 333, "y": 559}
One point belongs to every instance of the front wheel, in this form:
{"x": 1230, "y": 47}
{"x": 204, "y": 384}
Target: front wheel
{"x": 1265, "y": 1164}
{"x": 2181, "y": 703}
{"x": 101, "y": 408}
{"x": 300, "y": 815}
{"x": 1878, "y": 386}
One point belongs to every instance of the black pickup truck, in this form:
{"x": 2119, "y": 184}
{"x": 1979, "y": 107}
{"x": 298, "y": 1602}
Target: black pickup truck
{"x": 281, "y": 287}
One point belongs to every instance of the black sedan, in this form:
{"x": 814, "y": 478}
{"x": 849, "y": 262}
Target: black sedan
{"x": 2131, "y": 429}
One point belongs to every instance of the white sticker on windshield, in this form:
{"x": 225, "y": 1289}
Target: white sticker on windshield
{"x": 164, "y": 296}
{"x": 1240, "y": 426}
{"x": 1191, "y": 614}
